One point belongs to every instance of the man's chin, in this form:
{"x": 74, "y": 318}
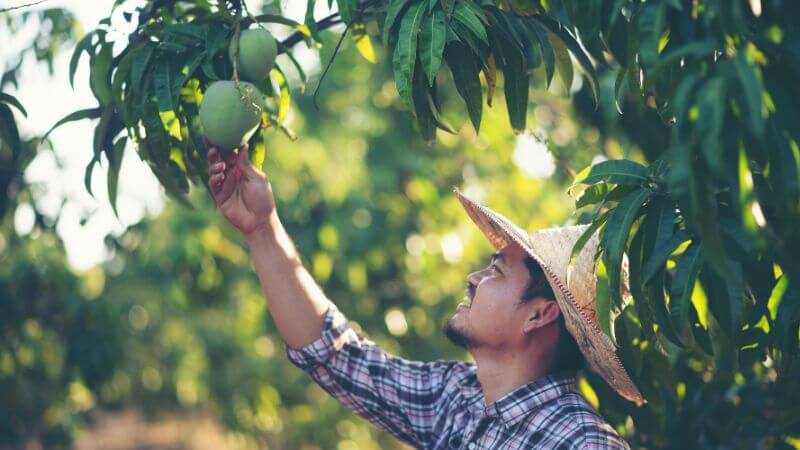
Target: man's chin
{"x": 456, "y": 335}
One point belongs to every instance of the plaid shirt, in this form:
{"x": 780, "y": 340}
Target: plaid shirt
{"x": 440, "y": 404}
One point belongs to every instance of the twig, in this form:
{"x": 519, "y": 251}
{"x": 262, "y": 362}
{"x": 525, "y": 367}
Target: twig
{"x": 21, "y": 6}
{"x": 323, "y": 24}
{"x": 328, "y": 66}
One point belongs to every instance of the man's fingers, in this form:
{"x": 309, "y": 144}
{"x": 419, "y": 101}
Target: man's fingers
{"x": 243, "y": 159}
{"x": 216, "y": 168}
{"x": 213, "y": 156}
{"x": 215, "y": 182}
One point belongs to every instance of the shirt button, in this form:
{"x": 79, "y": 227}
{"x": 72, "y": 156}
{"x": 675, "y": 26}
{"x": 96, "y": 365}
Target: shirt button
{"x": 471, "y": 446}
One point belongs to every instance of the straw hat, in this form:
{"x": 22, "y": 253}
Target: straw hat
{"x": 551, "y": 247}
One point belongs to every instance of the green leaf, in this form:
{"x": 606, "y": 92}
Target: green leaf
{"x": 788, "y": 316}
{"x": 91, "y": 113}
{"x": 583, "y": 239}
{"x": 422, "y": 107}
{"x": 666, "y": 243}
{"x": 163, "y": 80}
{"x": 466, "y": 16}
{"x": 562, "y": 60}
{"x": 11, "y": 100}
{"x": 101, "y": 131}
{"x": 395, "y": 9}
{"x": 431, "y": 43}
{"x": 9, "y": 133}
{"x": 710, "y": 121}
{"x": 635, "y": 256}
{"x": 616, "y": 171}
{"x": 516, "y": 83}
{"x": 651, "y": 24}
{"x": 139, "y": 67}
{"x": 572, "y": 44}
{"x": 686, "y": 272}
{"x": 405, "y": 53}
{"x": 101, "y": 74}
{"x": 84, "y": 45}
{"x": 751, "y": 91}
{"x": 187, "y": 68}
{"x": 548, "y": 54}
{"x": 615, "y": 233}
{"x": 592, "y": 195}
{"x": 603, "y": 301}
{"x": 310, "y": 22}
{"x": 465, "y": 70}
{"x": 347, "y": 10}
{"x": 121, "y": 74}
{"x": 114, "y": 164}
{"x": 87, "y": 174}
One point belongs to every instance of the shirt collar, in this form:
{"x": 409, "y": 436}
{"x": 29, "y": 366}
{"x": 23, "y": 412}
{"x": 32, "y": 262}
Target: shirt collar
{"x": 525, "y": 399}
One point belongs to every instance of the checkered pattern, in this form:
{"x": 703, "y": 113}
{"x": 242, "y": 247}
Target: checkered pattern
{"x": 440, "y": 405}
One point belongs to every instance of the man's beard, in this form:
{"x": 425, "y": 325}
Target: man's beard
{"x": 456, "y": 336}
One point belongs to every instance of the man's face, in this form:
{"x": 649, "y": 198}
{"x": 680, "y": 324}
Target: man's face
{"x": 490, "y": 315}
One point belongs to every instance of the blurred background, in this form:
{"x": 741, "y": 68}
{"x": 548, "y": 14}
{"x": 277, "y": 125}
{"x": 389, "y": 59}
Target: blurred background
{"x": 149, "y": 330}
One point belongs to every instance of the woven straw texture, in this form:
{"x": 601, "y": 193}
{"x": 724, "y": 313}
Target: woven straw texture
{"x": 551, "y": 247}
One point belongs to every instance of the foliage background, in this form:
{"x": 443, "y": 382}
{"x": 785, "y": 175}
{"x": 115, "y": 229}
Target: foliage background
{"x": 174, "y": 323}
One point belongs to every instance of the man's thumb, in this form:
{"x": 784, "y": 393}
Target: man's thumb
{"x": 243, "y": 158}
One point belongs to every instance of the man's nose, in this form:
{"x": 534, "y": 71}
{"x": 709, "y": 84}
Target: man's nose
{"x": 474, "y": 278}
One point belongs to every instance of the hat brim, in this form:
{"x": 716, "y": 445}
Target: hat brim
{"x": 596, "y": 347}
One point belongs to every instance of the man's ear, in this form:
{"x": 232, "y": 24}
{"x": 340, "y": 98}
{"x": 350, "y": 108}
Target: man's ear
{"x": 542, "y": 313}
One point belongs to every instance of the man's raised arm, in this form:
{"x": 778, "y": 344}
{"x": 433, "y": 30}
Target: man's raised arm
{"x": 244, "y": 196}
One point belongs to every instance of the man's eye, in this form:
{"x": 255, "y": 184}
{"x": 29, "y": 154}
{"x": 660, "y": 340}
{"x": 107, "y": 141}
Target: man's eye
{"x": 496, "y": 268}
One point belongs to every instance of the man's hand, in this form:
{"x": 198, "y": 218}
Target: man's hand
{"x": 241, "y": 191}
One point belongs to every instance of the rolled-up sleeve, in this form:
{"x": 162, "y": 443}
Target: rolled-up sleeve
{"x": 400, "y": 396}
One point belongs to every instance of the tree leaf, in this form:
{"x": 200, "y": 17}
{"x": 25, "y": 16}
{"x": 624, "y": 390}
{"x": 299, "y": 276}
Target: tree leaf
{"x": 490, "y": 74}
{"x": 431, "y": 43}
{"x": 516, "y": 83}
{"x": 751, "y": 91}
{"x": 114, "y": 164}
{"x": 163, "y": 81}
{"x": 686, "y": 272}
{"x": 548, "y": 54}
{"x": 583, "y": 239}
{"x": 614, "y": 236}
{"x": 592, "y": 195}
{"x": 139, "y": 67}
{"x": 348, "y": 9}
{"x": 666, "y": 243}
{"x": 310, "y": 22}
{"x": 101, "y": 74}
{"x": 394, "y": 11}
{"x": 91, "y": 113}
{"x": 11, "y": 100}
{"x": 422, "y": 109}
{"x": 470, "y": 28}
{"x": 9, "y": 133}
{"x": 87, "y": 174}
{"x": 84, "y": 45}
{"x": 465, "y": 70}
{"x": 616, "y": 171}
{"x": 405, "y": 53}
{"x": 562, "y": 60}
{"x": 603, "y": 301}
{"x": 572, "y": 44}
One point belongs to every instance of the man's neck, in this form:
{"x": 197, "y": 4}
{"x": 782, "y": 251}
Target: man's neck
{"x": 502, "y": 374}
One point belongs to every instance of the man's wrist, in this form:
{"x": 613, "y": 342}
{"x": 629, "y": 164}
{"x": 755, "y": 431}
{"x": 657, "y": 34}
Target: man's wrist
{"x": 269, "y": 229}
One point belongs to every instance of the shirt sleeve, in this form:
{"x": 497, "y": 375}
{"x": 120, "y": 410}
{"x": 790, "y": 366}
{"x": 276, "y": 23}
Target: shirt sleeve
{"x": 599, "y": 437}
{"x": 402, "y": 397}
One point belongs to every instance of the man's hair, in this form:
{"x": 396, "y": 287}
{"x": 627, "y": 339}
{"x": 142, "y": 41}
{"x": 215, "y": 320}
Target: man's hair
{"x": 567, "y": 357}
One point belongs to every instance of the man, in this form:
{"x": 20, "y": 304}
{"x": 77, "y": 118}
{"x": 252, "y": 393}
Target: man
{"x": 518, "y": 322}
